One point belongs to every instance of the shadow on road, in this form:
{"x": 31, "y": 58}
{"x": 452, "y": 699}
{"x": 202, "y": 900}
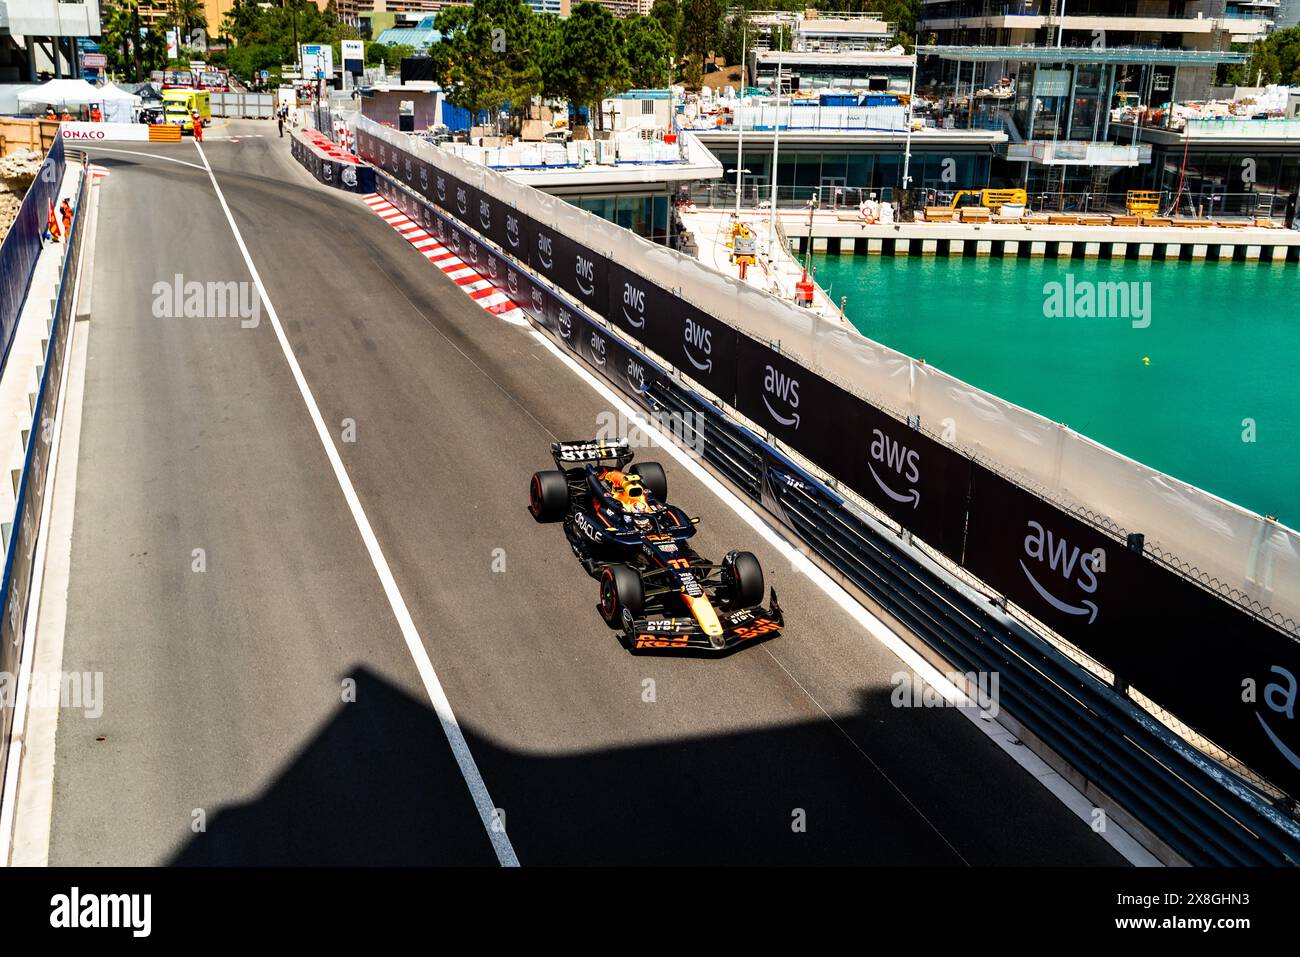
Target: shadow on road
{"x": 378, "y": 786}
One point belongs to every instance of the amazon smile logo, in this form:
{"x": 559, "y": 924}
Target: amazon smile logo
{"x": 485, "y": 214}
{"x": 634, "y": 300}
{"x": 544, "y": 252}
{"x": 1056, "y": 562}
{"x": 512, "y": 230}
{"x": 584, "y": 271}
{"x": 897, "y": 458}
{"x": 785, "y": 389}
{"x": 1279, "y": 698}
{"x": 462, "y": 199}
{"x": 441, "y": 186}
{"x": 700, "y": 340}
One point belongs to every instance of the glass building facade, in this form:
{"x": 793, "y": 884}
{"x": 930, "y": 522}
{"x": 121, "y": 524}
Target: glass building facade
{"x": 878, "y": 170}
{"x": 645, "y": 215}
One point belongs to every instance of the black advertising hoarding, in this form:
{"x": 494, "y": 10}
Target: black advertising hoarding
{"x": 1188, "y": 650}
{"x": 800, "y": 408}
{"x": 488, "y": 218}
{"x": 528, "y": 294}
{"x": 331, "y": 171}
{"x": 461, "y": 200}
{"x": 916, "y": 481}
{"x": 687, "y": 338}
{"x": 577, "y": 270}
{"x": 622, "y": 366}
{"x": 1049, "y": 563}
{"x": 516, "y": 232}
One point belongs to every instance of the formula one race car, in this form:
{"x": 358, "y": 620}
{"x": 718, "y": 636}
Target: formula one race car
{"x": 653, "y": 585}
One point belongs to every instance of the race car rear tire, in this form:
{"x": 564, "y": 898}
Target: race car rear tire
{"x": 744, "y": 579}
{"x": 653, "y": 479}
{"x": 620, "y": 588}
{"x": 548, "y": 496}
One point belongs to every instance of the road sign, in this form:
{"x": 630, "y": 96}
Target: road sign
{"x": 96, "y": 61}
{"x": 266, "y": 74}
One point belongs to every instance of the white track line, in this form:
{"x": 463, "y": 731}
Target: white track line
{"x": 168, "y": 159}
{"x": 455, "y": 738}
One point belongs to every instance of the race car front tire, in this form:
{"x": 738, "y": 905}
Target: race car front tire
{"x": 548, "y": 496}
{"x": 653, "y": 479}
{"x": 620, "y": 589}
{"x": 743, "y": 576}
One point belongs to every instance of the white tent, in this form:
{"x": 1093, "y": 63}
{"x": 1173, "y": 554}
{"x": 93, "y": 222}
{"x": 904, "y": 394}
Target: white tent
{"x": 118, "y": 105}
{"x": 59, "y": 93}
{"x": 115, "y": 103}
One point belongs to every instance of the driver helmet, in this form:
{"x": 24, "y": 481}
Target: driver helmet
{"x": 628, "y": 490}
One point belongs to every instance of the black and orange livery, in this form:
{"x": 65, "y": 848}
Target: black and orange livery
{"x": 654, "y": 587}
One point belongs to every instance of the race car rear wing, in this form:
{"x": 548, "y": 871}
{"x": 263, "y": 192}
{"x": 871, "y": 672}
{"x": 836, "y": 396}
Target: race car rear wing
{"x": 582, "y": 451}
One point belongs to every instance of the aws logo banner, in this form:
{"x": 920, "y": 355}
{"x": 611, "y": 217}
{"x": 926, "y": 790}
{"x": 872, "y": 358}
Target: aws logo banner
{"x": 635, "y": 302}
{"x": 800, "y": 408}
{"x": 581, "y": 272}
{"x": 1063, "y": 571}
{"x": 915, "y": 480}
{"x": 693, "y": 341}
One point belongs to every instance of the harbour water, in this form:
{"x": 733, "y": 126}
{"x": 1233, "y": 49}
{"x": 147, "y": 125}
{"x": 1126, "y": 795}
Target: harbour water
{"x": 1197, "y": 377}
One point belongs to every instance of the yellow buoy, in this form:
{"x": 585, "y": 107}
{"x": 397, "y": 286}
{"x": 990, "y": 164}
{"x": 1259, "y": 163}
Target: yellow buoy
{"x": 1146, "y": 360}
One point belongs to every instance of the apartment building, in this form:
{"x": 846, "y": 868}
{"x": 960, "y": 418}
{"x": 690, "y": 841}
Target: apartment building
{"x": 1204, "y": 26}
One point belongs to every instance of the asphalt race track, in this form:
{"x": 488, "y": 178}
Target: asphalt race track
{"x": 231, "y": 733}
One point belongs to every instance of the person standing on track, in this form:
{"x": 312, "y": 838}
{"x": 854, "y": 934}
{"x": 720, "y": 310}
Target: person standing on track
{"x": 198, "y": 126}
{"x": 65, "y": 211}
{"x": 279, "y": 121}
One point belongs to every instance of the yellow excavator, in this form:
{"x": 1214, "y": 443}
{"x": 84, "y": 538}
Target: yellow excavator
{"x": 994, "y": 199}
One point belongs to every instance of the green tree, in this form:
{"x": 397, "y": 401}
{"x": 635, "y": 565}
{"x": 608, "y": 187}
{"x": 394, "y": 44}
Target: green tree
{"x": 701, "y": 28}
{"x": 491, "y": 55}
{"x": 669, "y": 15}
{"x": 590, "y": 67}
{"x": 648, "y": 51}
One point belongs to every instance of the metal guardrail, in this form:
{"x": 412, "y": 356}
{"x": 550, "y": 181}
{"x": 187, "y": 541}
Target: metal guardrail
{"x": 1195, "y": 807}
{"x": 21, "y": 543}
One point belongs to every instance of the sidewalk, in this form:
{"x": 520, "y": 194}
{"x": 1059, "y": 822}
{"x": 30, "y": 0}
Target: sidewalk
{"x": 775, "y": 273}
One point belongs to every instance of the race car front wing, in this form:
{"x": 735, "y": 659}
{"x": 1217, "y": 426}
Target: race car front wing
{"x": 741, "y": 627}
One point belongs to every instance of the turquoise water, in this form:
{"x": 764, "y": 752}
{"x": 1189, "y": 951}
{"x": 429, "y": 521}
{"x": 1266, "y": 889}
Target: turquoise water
{"x": 1222, "y": 346}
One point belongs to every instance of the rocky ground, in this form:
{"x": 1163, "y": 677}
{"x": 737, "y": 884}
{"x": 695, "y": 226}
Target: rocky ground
{"x": 17, "y": 170}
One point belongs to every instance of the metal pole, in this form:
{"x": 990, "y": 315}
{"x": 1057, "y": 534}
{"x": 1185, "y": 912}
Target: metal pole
{"x": 1060, "y": 27}
{"x": 740, "y": 125}
{"x": 776, "y": 148}
{"x": 907, "y": 150}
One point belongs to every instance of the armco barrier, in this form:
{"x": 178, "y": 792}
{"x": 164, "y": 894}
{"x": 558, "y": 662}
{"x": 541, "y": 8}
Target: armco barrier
{"x": 1192, "y": 806}
{"x": 22, "y": 244}
{"x": 21, "y": 549}
{"x": 1188, "y": 649}
{"x": 329, "y": 164}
